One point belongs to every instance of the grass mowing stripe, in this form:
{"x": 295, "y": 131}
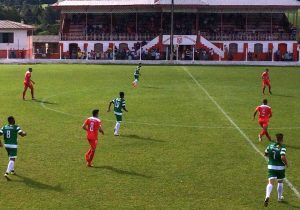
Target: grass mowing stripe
{"x": 293, "y": 188}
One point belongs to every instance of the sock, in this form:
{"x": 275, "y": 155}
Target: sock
{"x": 117, "y": 127}
{"x": 92, "y": 156}
{"x": 269, "y": 190}
{"x": 279, "y": 190}
{"x": 87, "y": 155}
{"x": 10, "y": 166}
{"x": 263, "y": 132}
{"x": 268, "y": 136}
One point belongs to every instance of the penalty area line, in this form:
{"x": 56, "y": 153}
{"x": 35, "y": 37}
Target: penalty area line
{"x": 293, "y": 188}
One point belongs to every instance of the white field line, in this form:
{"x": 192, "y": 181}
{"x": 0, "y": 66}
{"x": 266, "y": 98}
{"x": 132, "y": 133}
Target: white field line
{"x": 43, "y": 104}
{"x": 293, "y": 188}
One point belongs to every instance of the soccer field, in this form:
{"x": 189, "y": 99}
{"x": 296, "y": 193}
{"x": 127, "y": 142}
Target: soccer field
{"x": 185, "y": 142}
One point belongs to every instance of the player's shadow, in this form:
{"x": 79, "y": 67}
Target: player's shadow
{"x": 39, "y": 185}
{"x": 141, "y": 138}
{"x": 282, "y": 95}
{"x": 151, "y": 87}
{"x": 121, "y": 171}
{"x": 44, "y": 102}
{"x": 290, "y": 205}
{"x": 292, "y": 146}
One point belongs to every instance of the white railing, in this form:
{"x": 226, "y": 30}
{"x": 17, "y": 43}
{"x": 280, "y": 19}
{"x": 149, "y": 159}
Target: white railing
{"x": 211, "y": 45}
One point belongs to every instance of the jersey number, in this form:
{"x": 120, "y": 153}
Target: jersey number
{"x": 117, "y": 104}
{"x": 92, "y": 126}
{"x": 8, "y": 134}
{"x": 274, "y": 155}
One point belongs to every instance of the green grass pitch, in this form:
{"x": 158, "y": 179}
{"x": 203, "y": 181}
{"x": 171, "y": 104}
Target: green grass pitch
{"x": 177, "y": 150}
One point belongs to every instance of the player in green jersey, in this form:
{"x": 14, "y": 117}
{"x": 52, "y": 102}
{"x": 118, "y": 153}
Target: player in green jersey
{"x": 119, "y": 105}
{"x": 136, "y": 75}
{"x": 275, "y": 152}
{"x": 10, "y": 133}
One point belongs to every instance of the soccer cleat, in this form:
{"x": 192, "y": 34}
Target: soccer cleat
{"x": 259, "y": 138}
{"x": 6, "y": 175}
{"x": 89, "y": 165}
{"x": 280, "y": 199}
{"x": 266, "y": 202}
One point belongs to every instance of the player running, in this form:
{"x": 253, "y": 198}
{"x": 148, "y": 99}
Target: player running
{"x": 136, "y": 75}
{"x": 119, "y": 105}
{"x": 92, "y": 125}
{"x": 10, "y": 133}
{"x": 276, "y": 167}
{"x": 266, "y": 81}
{"x": 28, "y": 83}
{"x": 265, "y": 113}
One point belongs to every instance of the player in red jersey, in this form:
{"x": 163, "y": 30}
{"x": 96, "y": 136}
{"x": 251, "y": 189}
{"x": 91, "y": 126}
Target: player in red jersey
{"x": 28, "y": 83}
{"x": 266, "y": 81}
{"x": 92, "y": 125}
{"x": 265, "y": 113}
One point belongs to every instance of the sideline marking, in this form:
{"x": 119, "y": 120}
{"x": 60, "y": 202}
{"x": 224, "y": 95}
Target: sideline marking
{"x": 293, "y": 188}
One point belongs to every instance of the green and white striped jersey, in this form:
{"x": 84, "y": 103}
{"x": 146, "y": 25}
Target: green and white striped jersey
{"x": 119, "y": 103}
{"x": 137, "y": 71}
{"x": 10, "y": 134}
{"x": 274, "y": 152}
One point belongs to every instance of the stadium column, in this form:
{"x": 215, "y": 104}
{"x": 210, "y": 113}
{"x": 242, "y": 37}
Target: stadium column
{"x": 172, "y": 31}
{"x": 136, "y": 26}
{"x": 86, "y": 32}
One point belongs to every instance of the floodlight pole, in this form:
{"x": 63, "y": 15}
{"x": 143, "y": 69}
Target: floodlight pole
{"x": 172, "y": 31}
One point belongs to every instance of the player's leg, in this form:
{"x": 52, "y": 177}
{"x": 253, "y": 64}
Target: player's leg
{"x": 12, "y": 154}
{"x": 93, "y": 145}
{"x": 24, "y": 91}
{"x": 280, "y": 176}
{"x": 269, "y": 86}
{"x": 118, "y": 125}
{"x": 263, "y": 88}
{"x": 265, "y": 128}
{"x": 262, "y": 132}
{"x": 32, "y": 91}
{"x": 269, "y": 187}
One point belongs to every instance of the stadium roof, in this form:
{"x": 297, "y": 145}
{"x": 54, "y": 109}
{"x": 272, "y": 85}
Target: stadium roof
{"x": 275, "y": 3}
{"x": 7, "y": 24}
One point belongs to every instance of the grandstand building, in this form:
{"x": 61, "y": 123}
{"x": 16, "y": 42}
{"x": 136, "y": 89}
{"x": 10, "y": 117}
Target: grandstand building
{"x": 15, "y": 40}
{"x": 203, "y": 29}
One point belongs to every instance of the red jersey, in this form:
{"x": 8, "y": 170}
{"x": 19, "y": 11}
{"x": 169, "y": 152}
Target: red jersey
{"x": 93, "y": 125}
{"x": 27, "y": 78}
{"x": 264, "y": 112}
{"x": 265, "y": 76}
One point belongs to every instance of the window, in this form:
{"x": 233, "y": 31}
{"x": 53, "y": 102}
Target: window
{"x": 258, "y": 48}
{"x": 233, "y": 48}
{"x": 6, "y": 37}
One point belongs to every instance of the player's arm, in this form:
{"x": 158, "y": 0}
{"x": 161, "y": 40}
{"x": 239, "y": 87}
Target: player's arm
{"x": 85, "y": 126}
{"x": 283, "y": 157}
{"x": 1, "y": 133}
{"x": 124, "y": 108}
{"x": 22, "y": 133}
{"x": 254, "y": 114}
{"x": 101, "y": 131}
{"x": 110, "y": 103}
{"x": 266, "y": 152}
{"x": 270, "y": 115}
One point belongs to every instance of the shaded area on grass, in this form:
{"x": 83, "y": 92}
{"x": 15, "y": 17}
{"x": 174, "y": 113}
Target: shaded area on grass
{"x": 122, "y": 172}
{"x": 141, "y": 138}
{"x": 44, "y": 102}
{"x": 38, "y": 185}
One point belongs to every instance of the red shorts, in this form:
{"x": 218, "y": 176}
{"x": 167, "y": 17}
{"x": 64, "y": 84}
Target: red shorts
{"x": 266, "y": 83}
{"x": 263, "y": 122}
{"x": 28, "y": 85}
{"x": 93, "y": 143}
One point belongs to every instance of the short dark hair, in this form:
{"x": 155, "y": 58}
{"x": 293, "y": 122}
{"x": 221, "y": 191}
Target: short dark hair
{"x": 267, "y": 69}
{"x": 140, "y": 64}
{"x": 265, "y": 101}
{"x": 279, "y": 136}
{"x": 95, "y": 112}
{"x": 11, "y": 120}
{"x": 122, "y": 94}
{"x": 30, "y": 69}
